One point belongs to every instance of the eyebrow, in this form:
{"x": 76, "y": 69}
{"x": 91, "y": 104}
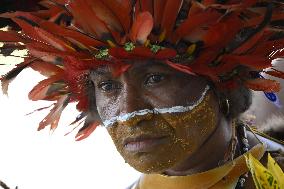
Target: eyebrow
{"x": 150, "y": 66}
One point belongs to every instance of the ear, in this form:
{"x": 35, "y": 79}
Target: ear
{"x": 224, "y": 104}
{"x": 223, "y": 101}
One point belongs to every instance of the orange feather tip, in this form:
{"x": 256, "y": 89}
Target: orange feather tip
{"x": 265, "y": 85}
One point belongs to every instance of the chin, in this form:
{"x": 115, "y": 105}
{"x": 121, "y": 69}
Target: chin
{"x": 151, "y": 167}
{"x": 152, "y": 162}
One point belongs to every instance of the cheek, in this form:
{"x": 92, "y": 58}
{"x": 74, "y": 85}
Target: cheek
{"x": 107, "y": 107}
{"x": 194, "y": 127}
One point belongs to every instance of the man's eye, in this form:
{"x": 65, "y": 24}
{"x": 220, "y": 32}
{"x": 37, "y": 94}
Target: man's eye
{"x": 154, "y": 78}
{"x": 108, "y": 86}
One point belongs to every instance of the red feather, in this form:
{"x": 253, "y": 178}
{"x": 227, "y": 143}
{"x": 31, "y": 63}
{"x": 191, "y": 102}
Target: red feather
{"x": 45, "y": 68}
{"x": 141, "y": 27}
{"x": 39, "y": 35}
{"x": 208, "y": 2}
{"x": 194, "y": 21}
{"x": 256, "y": 62}
{"x": 45, "y": 37}
{"x": 87, "y": 19}
{"x": 53, "y": 117}
{"x": 180, "y": 67}
{"x": 265, "y": 85}
{"x": 276, "y": 73}
{"x": 122, "y": 10}
{"x": 11, "y": 36}
{"x": 235, "y": 5}
{"x": 249, "y": 43}
{"x": 87, "y": 131}
{"x": 39, "y": 92}
{"x": 52, "y": 40}
{"x": 196, "y": 8}
{"x": 39, "y": 109}
{"x": 28, "y": 29}
{"x": 147, "y": 5}
{"x": 50, "y": 54}
{"x": 166, "y": 53}
{"x": 229, "y": 26}
{"x": 28, "y": 16}
{"x": 159, "y": 6}
{"x": 170, "y": 14}
{"x": 256, "y": 20}
{"x": 106, "y": 15}
{"x": 74, "y": 36}
{"x": 270, "y": 48}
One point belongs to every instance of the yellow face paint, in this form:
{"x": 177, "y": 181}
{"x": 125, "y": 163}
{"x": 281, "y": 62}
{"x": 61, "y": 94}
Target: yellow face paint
{"x": 184, "y": 134}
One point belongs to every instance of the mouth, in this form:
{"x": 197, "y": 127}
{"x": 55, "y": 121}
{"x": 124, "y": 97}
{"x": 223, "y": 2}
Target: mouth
{"x": 143, "y": 143}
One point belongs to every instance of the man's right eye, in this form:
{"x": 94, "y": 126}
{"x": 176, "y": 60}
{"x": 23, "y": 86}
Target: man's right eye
{"x": 108, "y": 86}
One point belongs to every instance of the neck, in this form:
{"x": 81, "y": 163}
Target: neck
{"x": 210, "y": 154}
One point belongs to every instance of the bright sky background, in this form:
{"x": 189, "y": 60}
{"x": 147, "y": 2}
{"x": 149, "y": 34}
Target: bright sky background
{"x": 40, "y": 160}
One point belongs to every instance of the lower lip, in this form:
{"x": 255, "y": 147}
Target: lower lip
{"x": 144, "y": 145}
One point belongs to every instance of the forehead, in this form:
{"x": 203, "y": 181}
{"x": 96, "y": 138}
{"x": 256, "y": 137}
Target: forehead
{"x": 136, "y": 67}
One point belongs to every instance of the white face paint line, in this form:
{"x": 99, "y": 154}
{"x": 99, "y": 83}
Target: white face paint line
{"x": 174, "y": 109}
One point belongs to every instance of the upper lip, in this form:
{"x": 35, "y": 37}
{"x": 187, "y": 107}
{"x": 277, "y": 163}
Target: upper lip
{"x": 141, "y": 138}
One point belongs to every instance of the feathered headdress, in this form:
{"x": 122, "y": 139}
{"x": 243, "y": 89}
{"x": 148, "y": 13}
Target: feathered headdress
{"x": 229, "y": 42}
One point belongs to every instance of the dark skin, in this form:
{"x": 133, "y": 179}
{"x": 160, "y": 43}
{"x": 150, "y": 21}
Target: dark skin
{"x": 182, "y": 141}
{"x": 146, "y": 86}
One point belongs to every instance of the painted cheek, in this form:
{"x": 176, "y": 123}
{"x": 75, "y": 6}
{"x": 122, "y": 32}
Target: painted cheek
{"x": 193, "y": 127}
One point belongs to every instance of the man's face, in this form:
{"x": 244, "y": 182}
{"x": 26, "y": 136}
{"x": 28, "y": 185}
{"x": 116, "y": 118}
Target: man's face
{"x": 156, "y": 116}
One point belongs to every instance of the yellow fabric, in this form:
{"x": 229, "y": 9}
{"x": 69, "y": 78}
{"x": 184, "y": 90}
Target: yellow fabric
{"x": 223, "y": 177}
{"x": 271, "y": 177}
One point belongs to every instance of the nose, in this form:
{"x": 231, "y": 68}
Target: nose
{"x": 133, "y": 105}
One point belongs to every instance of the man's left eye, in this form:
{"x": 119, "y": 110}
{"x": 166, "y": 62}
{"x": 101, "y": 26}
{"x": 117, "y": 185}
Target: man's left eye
{"x": 154, "y": 78}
